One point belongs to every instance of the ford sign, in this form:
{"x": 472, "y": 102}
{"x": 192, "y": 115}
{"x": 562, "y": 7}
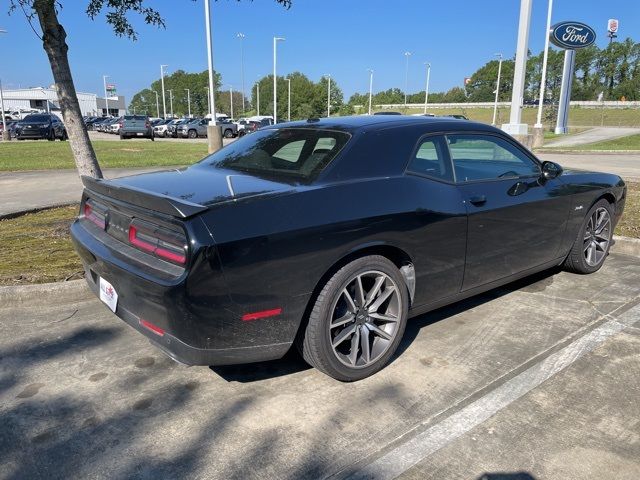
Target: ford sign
{"x": 572, "y": 35}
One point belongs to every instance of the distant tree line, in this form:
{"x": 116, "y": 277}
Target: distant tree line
{"x": 308, "y": 98}
{"x": 614, "y": 71}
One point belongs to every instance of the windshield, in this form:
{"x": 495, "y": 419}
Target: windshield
{"x": 281, "y": 153}
{"x": 36, "y": 118}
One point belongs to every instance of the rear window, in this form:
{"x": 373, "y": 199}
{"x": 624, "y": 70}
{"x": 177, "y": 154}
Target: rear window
{"x": 135, "y": 117}
{"x": 286, "y": 152}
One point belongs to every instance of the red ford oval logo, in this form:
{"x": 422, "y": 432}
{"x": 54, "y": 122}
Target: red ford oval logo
{"x": 572, "y": 35}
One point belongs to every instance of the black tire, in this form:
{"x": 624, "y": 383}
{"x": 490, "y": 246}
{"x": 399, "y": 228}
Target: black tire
{"x": 192, "y": 133}
{"x": 52, "y": 135}
{"x": 123, "y": 136}
{"x": 576, "y": 261}
{"x": 64, "y": 136}
{"x": 315, "y": 341}
{"x": 228, "y": 133}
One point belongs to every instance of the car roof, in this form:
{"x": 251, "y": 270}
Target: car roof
{"x": 353, "y": 124}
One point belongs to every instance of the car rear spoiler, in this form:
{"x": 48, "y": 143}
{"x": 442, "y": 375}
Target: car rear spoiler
{"x": 153, "y": 201}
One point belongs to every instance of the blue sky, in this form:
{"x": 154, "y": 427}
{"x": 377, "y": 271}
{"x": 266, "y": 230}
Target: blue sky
{"x": 340, "y": 37}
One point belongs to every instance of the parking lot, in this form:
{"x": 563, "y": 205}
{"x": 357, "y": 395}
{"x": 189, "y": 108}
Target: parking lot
{"x": 534, "y": 380}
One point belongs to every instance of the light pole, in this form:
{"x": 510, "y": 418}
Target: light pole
{"x": 164, "y": 103}
{"x": 171, "y": 101}
{"x": 106, "y": 100}
{"x": 231, "y": 99}
{"x": 258, "y": 98}
{"x": 426, "y": 87}
{"x": 208, "y": 100}
{"x": 370, "y": 89}
{"x": 495, "y": 103}
{"x": 328, "y": 94}
{"x": 288, "y": 99}
{"x": 157, "y": 104}
{"x": 212, "y": 88}
{"x": 241, "y": 37}
{"x": 406, "y": 78}
{"x": 275, "y": 79}
{"x": 544, "y": 66}
{"x": 5, "y": 134}
{"x": 188, "y": 101}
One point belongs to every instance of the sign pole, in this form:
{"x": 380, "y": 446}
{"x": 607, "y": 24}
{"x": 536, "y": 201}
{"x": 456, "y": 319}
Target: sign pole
{"x": 565, "y": 91}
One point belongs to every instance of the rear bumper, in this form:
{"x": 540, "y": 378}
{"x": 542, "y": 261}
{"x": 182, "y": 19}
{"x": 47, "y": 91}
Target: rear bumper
{"x": 193, "y": 332}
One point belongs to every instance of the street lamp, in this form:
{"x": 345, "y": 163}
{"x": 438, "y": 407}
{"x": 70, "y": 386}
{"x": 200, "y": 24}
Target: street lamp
{"x": 188, "y": 101}
{"x": 106, "y": 100}
{"x": 370, "y": 88}
{"x": 164, "y": 104}
{"x": 426, "y": 87}
{"x": 171, "y": 101}
{"x": 208, "y": 99}
{"x": 495, "y": 103}
{"x": 406, "y": 78}
{"x": 231, "y": 99}
{"x": 544, "y": 66}
{"x": 328, "y": 94}
{"x": 258, "y": 98}
{"x": 241, "y": 37}
{"x": 212, "y": 88}
{"x": 288, "y": 99}
{"x": 275, "y": 79}
{"x": 157, "y": 104}
{"x": 5, "y": 134}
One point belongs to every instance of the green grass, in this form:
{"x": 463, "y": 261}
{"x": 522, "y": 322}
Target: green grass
{"x": 631, "y": 142}
{"x": 578, "y": 117}
{"x": 43, "y": 155}
{"x": 36, "y": 248}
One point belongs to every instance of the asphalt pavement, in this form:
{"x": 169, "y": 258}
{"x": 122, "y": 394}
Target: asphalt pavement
{"x": 535, "y": 380}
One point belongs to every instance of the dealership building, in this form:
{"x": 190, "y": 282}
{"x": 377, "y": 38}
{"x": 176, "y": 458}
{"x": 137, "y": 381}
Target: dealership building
{"x": 46, "y": 99}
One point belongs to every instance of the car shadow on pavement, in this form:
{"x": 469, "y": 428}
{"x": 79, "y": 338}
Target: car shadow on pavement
{"x": 537, "y": 282}
{"x": 507, "y": 476}
{"x": 291, "y": 363}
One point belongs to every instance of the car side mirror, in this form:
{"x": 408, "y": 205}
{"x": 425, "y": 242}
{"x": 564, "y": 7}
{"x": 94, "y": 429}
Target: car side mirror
{"x": 551, "y": 170}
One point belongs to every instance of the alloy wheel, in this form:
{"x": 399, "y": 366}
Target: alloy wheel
{"x": 597, "y": 237}
{"x": 365, "y": 318}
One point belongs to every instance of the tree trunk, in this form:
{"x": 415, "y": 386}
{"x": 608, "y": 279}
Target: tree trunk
{"x": 54, "y": 42}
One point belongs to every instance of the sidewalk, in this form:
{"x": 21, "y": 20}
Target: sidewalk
{"x": 21, "y": 191}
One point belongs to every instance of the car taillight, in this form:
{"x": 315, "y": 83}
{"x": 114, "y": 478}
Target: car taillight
{"x": 147, "y": 125}
{"x": 166, "y": 244}
{"x": 95, "y": 213}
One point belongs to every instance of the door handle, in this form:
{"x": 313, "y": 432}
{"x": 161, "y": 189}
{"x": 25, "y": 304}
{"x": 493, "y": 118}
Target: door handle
{"x": 478, "y": 200}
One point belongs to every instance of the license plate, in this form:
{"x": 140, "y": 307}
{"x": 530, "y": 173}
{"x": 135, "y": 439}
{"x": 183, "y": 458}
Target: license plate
{"x": 139, "y": 134}
{"x": 108, "y": 294}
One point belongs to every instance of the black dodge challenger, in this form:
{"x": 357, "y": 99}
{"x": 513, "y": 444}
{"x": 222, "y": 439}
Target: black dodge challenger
{"x": 330, "y": 233}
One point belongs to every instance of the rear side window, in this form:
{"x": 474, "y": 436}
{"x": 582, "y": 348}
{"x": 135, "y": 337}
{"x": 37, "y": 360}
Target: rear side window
{"x": 485, "y": 157}
{"x": 279, "y": 153}
{"x": 431, "y": 159}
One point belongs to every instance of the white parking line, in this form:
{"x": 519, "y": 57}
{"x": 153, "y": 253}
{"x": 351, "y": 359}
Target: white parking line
{"x": 401, "y": 458}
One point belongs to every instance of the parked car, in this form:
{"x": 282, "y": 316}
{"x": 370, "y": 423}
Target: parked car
{"x": 11, "y": 125}
{"x": 228, "y": 129}
{"x": 160, "y": 129}
{"x": 456, "y": 116}
{"x": 114, "y": 127}
{"x": 194, "y": 129}
{"x": 330, "y": 234}
{"x": 135, "y": 126}
{"x": 41, "y": 126}
{"x": 172, "y": 128}
{"x": 102, "y": 126}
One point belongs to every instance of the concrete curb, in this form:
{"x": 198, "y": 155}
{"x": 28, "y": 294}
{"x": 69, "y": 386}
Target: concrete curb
{"x": 626, "y": 245}
{"x": 74, "y": 290}
{"x": 19, "y": 213}
{"x": 44, "y": 294}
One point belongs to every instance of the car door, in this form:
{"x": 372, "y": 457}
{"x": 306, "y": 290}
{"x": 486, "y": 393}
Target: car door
{"x": 516, "y": 218}
{"x": 439, "y": 222}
